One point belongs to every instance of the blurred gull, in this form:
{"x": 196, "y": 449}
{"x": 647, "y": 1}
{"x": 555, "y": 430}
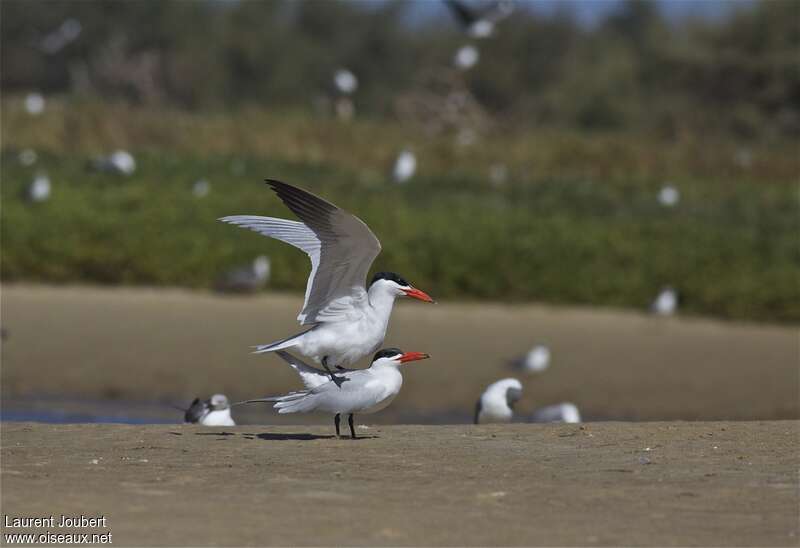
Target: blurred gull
{"x": 248, "y": 279}
{"x": 27, "y": 157}
{"x": 39, "y": 189}
{"x": 120, "y": 162}
{"x": 535, "y": 361}
{"x": 345, "y": 81}
{"x": 497, "y": 401}
{"x": 665, "y": 303}
{"x": 669, "y": 196}
{"x": 34, "y": 103}
{"x": 201, "y": 188}
{"x": 466, "y": 57}
{"x": 561, "y": 412}
{"x": 215, "y": 411}
{"x": 479, "y": 22}
{"x": 404, "y": 166}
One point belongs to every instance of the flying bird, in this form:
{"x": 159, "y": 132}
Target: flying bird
{"x": 480, "y": 22}
{"x": 361, "y": 391}
{"x": 496, "y": 404}
{"x": 215, "y": 411}
{"x": 348, "y": 320}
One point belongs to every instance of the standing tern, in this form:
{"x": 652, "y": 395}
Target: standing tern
{"x": 361, "y": 391}
{"x": 348, "y": 320}
{"x": 496, "y": 404}
{"x": 215, "y": 411}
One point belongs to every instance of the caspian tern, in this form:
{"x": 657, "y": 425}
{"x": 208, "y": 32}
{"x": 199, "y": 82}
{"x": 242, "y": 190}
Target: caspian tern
{"x": 348, "y": 320}
{"x": 496, "y": 404}
{"x": 361, "y": 391}
{"x": 215, "y": 411}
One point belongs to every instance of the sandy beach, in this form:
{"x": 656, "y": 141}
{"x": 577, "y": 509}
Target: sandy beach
{"x": 690, "y": 484}
{"x": 133, "y": 345}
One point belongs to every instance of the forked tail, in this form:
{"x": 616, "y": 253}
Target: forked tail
{"x": 279, "y": 345}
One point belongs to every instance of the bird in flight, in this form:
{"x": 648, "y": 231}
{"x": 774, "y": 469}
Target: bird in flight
{"x": 348, "y": 319}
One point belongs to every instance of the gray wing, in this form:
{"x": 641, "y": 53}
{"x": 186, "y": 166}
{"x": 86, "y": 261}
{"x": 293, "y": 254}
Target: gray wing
{"x": 341, "y": 248}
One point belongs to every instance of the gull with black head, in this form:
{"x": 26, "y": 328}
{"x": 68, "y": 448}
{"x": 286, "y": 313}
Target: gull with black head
{"x": 367, "y": 390}
{"x": 348, "y": 320}
{"x": 215, "y": 411}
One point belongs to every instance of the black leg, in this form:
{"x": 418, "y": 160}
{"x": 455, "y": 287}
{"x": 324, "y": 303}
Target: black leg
{"x": 336, "y": 422}
{"x": 352, "y": 430}
{"x": 334, "y": 378}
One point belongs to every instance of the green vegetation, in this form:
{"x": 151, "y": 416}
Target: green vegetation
{"x": 633, "y": 70}
{"x": 576, "y": 222}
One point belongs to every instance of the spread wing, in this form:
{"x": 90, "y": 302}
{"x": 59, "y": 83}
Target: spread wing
{"x": 341, "y": 248}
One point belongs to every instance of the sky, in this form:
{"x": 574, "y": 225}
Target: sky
{"x": 589, "y": 12}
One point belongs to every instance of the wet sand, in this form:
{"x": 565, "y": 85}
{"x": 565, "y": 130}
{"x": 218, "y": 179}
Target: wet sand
{"x": 702, "y": 483}
{"x": 172, "y": 345}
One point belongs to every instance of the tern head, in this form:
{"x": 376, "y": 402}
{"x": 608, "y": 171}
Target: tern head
{"x": 218, "y": 402}
{"x": 397, "y": 286}
{"x": 395, "y": 357}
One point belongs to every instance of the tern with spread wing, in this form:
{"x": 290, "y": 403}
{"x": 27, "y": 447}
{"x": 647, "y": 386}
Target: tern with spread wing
{"x": 361, "y": 390}
{"x": 348, "y": 320}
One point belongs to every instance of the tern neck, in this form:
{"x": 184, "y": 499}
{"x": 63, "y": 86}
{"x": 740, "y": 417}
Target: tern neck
{"x": 381, "y": 299}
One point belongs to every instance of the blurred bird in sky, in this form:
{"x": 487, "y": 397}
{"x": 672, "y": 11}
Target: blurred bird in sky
{"x": 561, "y": 412}
{"x": 536, "y": 360}
{"x": 404, "y": 166}
{"x": 479, "y": 22}
{"x": 496, "y": 404}
{"x": 666, "y": 303}
{"x": 39, "y": 190}
{"x": 348, "y": 320}
{"x": 361, "y": 391}
{"x": 215, "y": 411}
{"x": 248, "y": 279}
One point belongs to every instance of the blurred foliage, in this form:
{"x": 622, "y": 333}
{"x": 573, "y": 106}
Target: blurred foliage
{"x": 577, "y": 220}
{"x": 587, "y": 122}
{"x": 634, "y": 70}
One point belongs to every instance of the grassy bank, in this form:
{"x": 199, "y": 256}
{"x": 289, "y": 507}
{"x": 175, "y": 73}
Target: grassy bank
{"x": 577, "y": 221}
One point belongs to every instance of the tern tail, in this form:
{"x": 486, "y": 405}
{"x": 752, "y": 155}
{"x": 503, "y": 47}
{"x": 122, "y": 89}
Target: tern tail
{"x": 288, "y": 342}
